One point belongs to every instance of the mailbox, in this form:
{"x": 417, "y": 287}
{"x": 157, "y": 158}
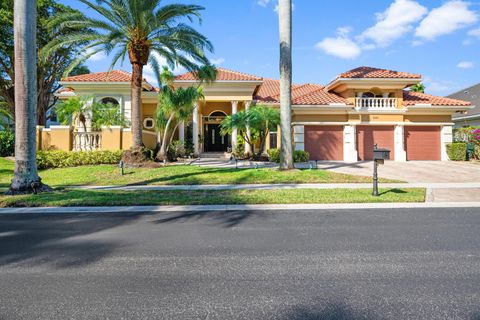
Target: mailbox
{"x": 381, "y": 154}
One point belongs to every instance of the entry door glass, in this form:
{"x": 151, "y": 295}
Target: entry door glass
{"x": 214, "y": 140}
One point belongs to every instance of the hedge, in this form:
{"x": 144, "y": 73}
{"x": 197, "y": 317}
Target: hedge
{"x": 457, "y": 151}
{"x": 298, "y": 155}
{"x": 61, "y": 159}
{"x": 7, "y": 143}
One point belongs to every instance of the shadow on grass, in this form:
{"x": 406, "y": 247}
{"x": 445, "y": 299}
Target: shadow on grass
{"x": 396, "y": 191}
{"x": 58, "y": 240}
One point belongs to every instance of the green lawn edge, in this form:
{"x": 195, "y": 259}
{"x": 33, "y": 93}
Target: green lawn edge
{"x": 69, "y": 198}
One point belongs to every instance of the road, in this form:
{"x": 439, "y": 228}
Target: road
{"x": 322, "y": 264}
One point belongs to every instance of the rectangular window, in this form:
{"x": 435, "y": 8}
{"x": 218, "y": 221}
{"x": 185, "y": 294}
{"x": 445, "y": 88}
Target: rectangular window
{"x": 273, "y": 140}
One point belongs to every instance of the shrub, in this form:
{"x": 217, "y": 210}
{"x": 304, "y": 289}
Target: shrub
{"x": 457, "y": 151}
{"x": 274, "y": 155}
{"x": 175, "y": 150}
{"x": 7, "y": 143}
{"x": 298, "y": 155}
{"x": 61, "y": 159}
{"x": 301, "y": 156}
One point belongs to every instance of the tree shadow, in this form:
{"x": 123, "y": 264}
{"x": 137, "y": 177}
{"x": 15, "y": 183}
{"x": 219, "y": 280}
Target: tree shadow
{"x": 58, "y": 240}
{"x": 396, "y": 191}
{"x": 330, "y": 311}
{"x": 227, "y": 219}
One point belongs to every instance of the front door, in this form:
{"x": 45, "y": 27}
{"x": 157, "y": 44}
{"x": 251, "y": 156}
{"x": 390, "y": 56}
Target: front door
{"x": 214, "y": 141}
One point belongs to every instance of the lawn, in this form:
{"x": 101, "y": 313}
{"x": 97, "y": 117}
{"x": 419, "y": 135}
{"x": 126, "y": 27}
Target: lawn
{"x": 290, "y": 196}
{"x": 177, "y": 174}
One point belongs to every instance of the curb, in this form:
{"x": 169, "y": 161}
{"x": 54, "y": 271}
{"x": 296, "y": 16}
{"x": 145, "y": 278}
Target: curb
{"x": 253, "y": 207}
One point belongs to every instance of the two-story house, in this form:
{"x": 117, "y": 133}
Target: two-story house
{"x": 340, "y": 121}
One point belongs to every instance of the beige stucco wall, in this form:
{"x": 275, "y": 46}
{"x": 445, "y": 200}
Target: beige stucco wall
{"x": 111, "y": 138}
{"x": 60, "y": 138}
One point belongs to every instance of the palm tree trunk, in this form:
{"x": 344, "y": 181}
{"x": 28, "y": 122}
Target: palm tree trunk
{"x": 285, "y": 23}
{"x": 162, "y": 153}
{"x": 25, "y": 176}
{"x": 137, "y": 79}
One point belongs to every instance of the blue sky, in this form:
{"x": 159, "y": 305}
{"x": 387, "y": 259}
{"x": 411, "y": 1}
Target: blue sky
{"x": 439, "y": 39}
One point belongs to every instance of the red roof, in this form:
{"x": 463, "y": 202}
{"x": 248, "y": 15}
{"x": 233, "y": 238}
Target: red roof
{"x": 306, "y": 94}
{"x": 112, "y": 76}
{"x": 411, "y": 98}
{"x": 222, "y": 75}
{"x": 368, "y": 72}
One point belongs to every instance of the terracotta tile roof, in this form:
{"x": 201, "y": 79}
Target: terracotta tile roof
{"x": 306, "y": 94}
{"x": 222, "y": 75}
{"x": 66, "y": 89}
{"x": 368, "y": 72}
{"x": 411, "y": 98}
{"x": 112, "y": 76}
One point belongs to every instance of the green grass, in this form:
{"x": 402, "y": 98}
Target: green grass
{"x": 178, "y": 174}
{"x": 286, "y": 196}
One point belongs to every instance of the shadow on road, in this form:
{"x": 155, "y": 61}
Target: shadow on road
{"x": 227, "y": 219}
{"x": 331, "y": 311}
{"x": 59, "y": 240}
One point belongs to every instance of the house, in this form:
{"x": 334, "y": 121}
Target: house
{"x": 342, "y": 120}
{"x": 470, "y": 117}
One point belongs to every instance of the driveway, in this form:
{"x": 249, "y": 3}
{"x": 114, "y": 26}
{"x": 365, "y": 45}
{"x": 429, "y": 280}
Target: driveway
{"x": 412, "y": 171}
{"x": 288, "y": 265}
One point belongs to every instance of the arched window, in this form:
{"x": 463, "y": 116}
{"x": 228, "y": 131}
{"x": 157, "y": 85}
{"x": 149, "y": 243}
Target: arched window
{"x": 218, "y": 114}
{"x": 110, "y": 100}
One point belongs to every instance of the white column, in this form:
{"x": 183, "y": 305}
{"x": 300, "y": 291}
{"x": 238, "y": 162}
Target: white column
{"x": 248, "y": 149}
{"x": 181, "y": 131}
{"x": 234, "y": 131}
{"x": 446, "y": 137}
{"x": 350, "y": 153}
{"x": 127, "y": 108}
{"x": 195, "y": 130}
{"x": 299, "y": 137}
{"x": 399, "y": 143}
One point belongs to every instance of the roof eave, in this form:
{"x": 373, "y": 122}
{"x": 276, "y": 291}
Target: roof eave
{"x": 407, "y": 81}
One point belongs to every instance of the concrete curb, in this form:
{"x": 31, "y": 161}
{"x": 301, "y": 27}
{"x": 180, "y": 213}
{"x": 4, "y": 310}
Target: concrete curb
{"x": 254, "y": 207}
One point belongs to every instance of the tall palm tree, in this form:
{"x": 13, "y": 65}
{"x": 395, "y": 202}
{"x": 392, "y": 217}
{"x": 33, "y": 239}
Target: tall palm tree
{"x": 285, "y": 23}
{"x": 144, "y": 31}
{"x": 25, "y": 175}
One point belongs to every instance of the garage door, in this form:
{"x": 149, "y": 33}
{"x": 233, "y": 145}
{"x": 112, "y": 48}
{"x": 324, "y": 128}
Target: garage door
{"x": 324, "y": 142}
{"x": 422, "y": 143}
{"x": 368, "y": 136}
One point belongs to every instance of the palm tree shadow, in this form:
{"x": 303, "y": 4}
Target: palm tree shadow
{"x": 330, "y": 311}
{"x": 397, "y": 191}
{"x": 57, "y": 240}
{"x": 227, "y": 219}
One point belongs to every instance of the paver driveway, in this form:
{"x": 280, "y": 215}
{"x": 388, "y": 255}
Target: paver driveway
{"x": 412, "y": 171}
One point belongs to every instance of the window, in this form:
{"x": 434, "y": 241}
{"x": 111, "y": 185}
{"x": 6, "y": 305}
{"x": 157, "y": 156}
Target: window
{"x": 109, "y": 100}
{"x": 148, "y": 123}
{"x": 273, "y": 140}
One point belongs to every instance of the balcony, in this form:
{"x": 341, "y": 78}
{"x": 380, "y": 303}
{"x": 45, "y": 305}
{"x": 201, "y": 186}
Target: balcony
{"x": 376, "y": 103}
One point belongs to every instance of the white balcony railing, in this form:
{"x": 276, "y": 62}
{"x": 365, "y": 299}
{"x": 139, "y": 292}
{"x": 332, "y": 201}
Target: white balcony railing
{"x": 376, "y": 103}
{"x": 87, "y": 141}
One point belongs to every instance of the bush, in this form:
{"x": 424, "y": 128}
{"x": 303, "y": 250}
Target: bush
{"x": 274, "y": 155}
{"x": 298, "y": 155}
{"x": 7, "y": 143}
{"x": 175, "y": 150}
{"x": 457, "y": 151}
{"x": 301, "y": 156}
{"x": 61, "y": 159}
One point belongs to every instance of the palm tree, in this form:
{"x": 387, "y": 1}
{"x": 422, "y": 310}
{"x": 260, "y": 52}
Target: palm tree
{"x": 142, "y": 30}
{"x": 285, "y": 22}
{"x": 5, "y": 116}
{"x": 74, "y": 110}
{"x": 419, "y": 87}
{"x": 25, "y": 175}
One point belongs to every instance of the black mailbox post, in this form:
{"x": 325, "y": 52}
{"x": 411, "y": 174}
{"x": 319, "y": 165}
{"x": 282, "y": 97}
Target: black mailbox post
{"x": 379, "y": 157}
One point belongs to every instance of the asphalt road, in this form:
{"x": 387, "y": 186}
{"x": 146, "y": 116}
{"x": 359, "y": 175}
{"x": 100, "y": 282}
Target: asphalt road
{"x": 343, "y": 264}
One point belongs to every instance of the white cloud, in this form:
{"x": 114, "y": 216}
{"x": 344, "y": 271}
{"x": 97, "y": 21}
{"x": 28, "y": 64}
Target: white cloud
{"x": 474, "y": 32}
{"x": 439, "y": 87}
{"x": 341, "y": 46}
{"x": 97, "y": 56}
{"x": 446, "y": 19}
{"x": 394, "y": 22}
{"x": 263, "y": 3}
{"x": 217, "y": 61}
{"x": 465, "y": 65}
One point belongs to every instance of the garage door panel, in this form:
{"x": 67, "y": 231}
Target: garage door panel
{"x": 422, "y": 143}
{"x": 368, "y": 136}
{"x": 324, "y": 142}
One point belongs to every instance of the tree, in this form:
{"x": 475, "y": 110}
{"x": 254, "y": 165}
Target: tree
{"x": 419, "y": 87}
{"x": 285, "y": 23}
{"x": 259, "y": 119}
{"x": 142, "y": 30}
{"x": 5, "y": 116}
{"x": 49, "y": 67}
{"x": 25, "y": 175}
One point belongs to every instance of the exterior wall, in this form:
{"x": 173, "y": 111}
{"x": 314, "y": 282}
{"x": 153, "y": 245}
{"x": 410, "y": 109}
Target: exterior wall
{"x": 299, "y": 137}
{"x": 428, "y": 118}
{"x": 111, "y": 138}
{"x": 127, "y": 139}
{"x": 148, "y": 111}
{"x": 446, "y": 137}
{"x": 60, "y": 138}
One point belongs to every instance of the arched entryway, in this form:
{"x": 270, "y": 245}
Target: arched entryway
{"x": 213, "y": 140}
